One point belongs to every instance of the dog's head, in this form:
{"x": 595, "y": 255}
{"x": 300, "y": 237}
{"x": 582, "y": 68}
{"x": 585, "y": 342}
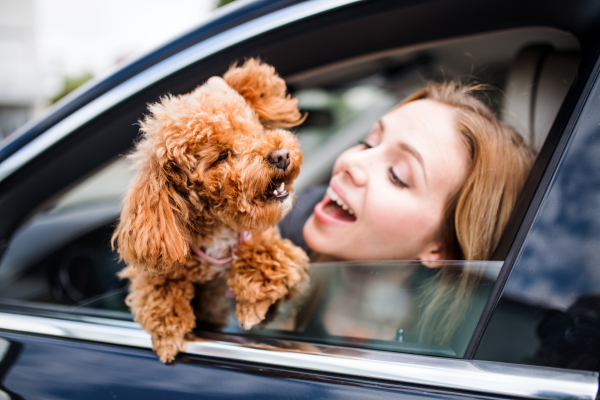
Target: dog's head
{"x": 214, "y": 157}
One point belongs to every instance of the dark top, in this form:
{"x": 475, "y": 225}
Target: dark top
{"x": 291, "y": 226}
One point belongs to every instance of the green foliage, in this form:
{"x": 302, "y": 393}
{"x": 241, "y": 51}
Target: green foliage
{"x": 71, "y": 83}
{"x": 221, "y": 3}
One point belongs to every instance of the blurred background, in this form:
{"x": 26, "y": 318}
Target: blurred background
{"x": 50, "y": 47}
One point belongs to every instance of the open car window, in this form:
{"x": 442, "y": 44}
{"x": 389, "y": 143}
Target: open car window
{"x": 394, "y": 306}
{"x": 61, "y": 258}
{"x": 398, "y": 306}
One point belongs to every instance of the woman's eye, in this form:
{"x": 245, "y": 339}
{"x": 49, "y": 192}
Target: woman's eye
{"x": 367, "y": 145}
{"x": 396, "y": 180}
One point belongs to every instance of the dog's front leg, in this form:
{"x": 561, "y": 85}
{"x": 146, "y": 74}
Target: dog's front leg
{"x": 266, "y": 269}
{"x": 161, "y": 304}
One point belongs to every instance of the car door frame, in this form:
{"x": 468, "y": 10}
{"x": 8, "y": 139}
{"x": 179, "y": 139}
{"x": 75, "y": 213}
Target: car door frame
{"x": 31, "y": 175}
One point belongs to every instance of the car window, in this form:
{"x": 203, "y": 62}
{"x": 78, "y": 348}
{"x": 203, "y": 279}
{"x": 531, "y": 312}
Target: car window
{"x": 394, "y": 306}
{"x": 62, "y": 257}
{"x": 549, "y": 312}
{"x": 398, "y": 306}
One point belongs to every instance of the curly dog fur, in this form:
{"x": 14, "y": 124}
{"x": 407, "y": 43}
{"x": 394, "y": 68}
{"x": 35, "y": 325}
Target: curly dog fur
{"x": 204, "y": 176}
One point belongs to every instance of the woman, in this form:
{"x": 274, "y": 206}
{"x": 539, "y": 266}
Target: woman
{"x": 436, "y": 179}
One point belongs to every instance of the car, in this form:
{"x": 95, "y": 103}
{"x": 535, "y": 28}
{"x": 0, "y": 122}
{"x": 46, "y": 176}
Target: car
{"x": 531, "y": 326}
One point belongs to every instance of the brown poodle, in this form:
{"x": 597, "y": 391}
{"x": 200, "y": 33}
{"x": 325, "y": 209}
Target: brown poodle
{"x": 214, "y": 177}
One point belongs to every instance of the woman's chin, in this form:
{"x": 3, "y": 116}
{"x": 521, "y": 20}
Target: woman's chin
{"x": 318, "y": 237}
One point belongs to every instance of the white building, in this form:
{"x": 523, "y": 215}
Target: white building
{"x": 19, "y": 72}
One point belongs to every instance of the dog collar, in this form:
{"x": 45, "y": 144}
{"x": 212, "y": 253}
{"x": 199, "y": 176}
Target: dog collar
{"x": 201, "y": 256}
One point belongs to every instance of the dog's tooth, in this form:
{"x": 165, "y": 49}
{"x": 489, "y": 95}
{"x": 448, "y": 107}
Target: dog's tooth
{"x": 350, "y": 212}
{"x": 345, "y": 207}
{"x": 275, "y": 192}
{"x": 282, "y": 186}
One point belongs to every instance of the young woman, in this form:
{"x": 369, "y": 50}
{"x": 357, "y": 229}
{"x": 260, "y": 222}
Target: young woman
{"x": 436, "y": 179}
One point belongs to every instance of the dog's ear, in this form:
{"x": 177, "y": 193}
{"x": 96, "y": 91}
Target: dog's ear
{"x": 265, "y": 92}
{"x": 151, "y": 234}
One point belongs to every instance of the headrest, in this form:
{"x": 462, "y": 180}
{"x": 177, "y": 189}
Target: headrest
{"x": 537, "y": 84}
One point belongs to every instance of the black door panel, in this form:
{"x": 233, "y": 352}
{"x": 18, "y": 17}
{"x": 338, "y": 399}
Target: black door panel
{"x": 48, "y": 368}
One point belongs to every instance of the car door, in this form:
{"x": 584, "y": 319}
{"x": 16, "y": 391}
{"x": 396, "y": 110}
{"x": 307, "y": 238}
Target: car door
{"x": 65, "y": 332}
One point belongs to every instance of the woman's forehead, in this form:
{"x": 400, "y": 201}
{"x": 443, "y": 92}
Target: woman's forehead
{"x": 422, "y": 116}
{"x": 425, "y": 125}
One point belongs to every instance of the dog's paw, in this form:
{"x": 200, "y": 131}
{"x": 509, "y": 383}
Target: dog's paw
{"x": 249, "y": 314}
{"x": 167, "y": 347}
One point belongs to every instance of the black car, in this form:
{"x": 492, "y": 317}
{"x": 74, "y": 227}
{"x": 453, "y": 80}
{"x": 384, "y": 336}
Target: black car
{"x": 532, "y": 326}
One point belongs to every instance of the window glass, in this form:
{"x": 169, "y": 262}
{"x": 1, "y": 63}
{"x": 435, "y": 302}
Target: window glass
{"x": 396, "y": 306}
{"x": 106, "y": 186}
{"x": 549, "y": 313}
{"x": 62, "y": 258}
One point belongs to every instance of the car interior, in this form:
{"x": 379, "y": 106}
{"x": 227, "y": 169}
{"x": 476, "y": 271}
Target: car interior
{"x": 72, "y": 268}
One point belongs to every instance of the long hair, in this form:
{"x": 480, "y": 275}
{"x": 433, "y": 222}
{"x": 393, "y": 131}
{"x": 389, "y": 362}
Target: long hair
{"x": 478, "y": 212}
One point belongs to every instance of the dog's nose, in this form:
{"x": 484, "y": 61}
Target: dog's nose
{"x": 280, "y": 158}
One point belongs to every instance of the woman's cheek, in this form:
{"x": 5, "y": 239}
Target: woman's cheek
{"x": 384, "y": 212}
{"x": 394, "y": 216}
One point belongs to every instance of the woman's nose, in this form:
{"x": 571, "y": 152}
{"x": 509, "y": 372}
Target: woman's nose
{"x": 355, "y": 165}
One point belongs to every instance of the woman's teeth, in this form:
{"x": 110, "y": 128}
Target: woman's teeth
{"x": 333, "y": 196}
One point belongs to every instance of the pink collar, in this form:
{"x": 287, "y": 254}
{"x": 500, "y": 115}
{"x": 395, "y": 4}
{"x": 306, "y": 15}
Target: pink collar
{"x": 201, "y": 256}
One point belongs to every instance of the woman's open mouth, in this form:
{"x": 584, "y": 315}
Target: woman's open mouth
{"x": 333, "y": 210}
{"x": 276, "y": 191}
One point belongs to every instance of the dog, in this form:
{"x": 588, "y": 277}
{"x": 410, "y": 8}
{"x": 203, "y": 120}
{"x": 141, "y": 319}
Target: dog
{"x": 214, "y": 175}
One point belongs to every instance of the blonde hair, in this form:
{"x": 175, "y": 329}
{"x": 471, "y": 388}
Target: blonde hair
{"x": 478, "y": 212}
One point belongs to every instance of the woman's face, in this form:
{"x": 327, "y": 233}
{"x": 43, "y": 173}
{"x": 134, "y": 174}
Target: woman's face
{"x": 395, "y": 187}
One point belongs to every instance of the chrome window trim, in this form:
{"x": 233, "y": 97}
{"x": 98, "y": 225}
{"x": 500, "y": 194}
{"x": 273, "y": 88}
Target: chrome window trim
{"x": 163, "y": 69}
{"x": 466, "y": 375}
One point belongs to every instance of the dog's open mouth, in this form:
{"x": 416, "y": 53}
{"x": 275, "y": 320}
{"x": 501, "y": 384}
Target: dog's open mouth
{"x": 276, "y": 191}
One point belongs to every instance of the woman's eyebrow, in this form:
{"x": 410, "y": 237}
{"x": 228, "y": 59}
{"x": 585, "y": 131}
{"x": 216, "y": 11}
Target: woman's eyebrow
{"x": 411, "y": 150}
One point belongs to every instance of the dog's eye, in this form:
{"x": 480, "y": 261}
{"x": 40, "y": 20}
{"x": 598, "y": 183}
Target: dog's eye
{"x": 223, "y": 156}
